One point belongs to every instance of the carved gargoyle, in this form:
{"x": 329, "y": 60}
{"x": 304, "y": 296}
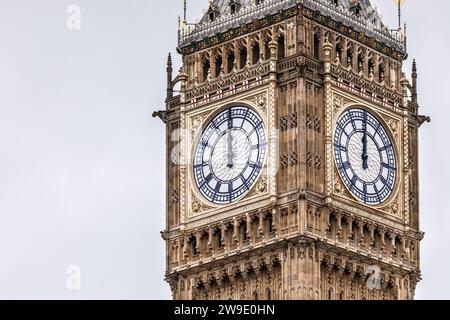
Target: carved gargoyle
{"x": 423, "y": 119}
{"x": 160, "y": 114}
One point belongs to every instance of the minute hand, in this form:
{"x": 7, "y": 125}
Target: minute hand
{"x": 365, "y": 156}
{"x": 229, "y": 142}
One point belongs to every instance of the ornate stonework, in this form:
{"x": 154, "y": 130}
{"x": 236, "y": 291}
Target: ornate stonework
{"x": 298, "y": 233}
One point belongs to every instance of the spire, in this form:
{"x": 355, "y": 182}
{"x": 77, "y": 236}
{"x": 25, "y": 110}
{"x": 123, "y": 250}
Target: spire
{"x": 169, "y": 77}
{"x": 184, "y": 12}
{"x": 169, "y": 60}
{"x": 179, "y": 28}
{"x": 414, "y": 81}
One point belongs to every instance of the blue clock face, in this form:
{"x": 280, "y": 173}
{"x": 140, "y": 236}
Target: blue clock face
{"x": 230, "y": 154}
{"x": 365, "y": 156}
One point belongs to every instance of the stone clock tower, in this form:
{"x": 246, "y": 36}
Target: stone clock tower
{"x": 292, "y": 155}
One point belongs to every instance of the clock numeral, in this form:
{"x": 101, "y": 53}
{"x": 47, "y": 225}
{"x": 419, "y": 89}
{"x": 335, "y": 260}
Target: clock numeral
{"x": 365, "y": 191}
{"x": 257, "y": 127}
{"x": 244, "y": 117}
{"x": 342, "y": 130}
{"x": 340, "y": 148}
{"x": 201, "y": 165}
{"x": 377, "y": 129}
{"x": 377, "y": 194}
{"x": 387, "y": 166}
{"x": 352, "y": 121}
{"x": 208, "y": 178}
{"x": 345, "y": 166}
{"x": 254, "y": 165}
{"x": 214, "y": 125}
{"x": 385, "y": 148}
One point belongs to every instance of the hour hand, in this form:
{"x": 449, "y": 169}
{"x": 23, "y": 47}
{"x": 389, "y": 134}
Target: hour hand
{"x": 365, "y": 156}
{"x": 229, "y": 149}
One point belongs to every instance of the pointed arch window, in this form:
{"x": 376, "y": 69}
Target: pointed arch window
{"x": 218, "y": 236}
{"x": 244, "y": 231}
{"x": 360, "y": 62}
{"x": 255, "y": 53}
{"x": 371, "y": 66}
{"x": 266, "y": 49}
{"x": 230, "y": 61}
{"x": 350, "y": 57}
{"x": 281, "y": 47}
{"x": 206, "y": 68}
{"x": 339, "y": 52}
{"x": 194, "y": 246}
{"x": 269, "y": 221}
{"x": 242, "y": 57}
{"x": 218, "y": 66}
{"x": 316, "y": 46}
{"x": 381, "y": 72}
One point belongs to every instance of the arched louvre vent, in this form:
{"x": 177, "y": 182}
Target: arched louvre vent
{"x": 355, "y": 7}
{"x": 235, "y": 6}
{"x": 213, "y": 12}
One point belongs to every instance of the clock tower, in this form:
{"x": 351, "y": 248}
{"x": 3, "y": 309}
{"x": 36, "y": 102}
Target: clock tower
{"x": 292, "y": 155}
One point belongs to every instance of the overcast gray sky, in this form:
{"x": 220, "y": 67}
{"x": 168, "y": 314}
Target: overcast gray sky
{"x": 82, "y": 161}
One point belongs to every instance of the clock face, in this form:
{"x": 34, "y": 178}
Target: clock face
{"x": 230, "y": 154}
{"x": 365, "y": 156}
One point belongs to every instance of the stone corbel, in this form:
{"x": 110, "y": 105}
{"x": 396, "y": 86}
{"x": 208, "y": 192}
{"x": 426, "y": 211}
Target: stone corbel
{"x": 210, "y": 237}
{"x": 372, "y": 234}
{"x": 185, "y": 248}
{"x": 261, "y": 221}
{"x": 360, "y": 224}
{"x": 223, "y": 230}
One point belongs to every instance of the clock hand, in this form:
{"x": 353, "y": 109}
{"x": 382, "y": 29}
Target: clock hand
{"x": 229, "y": 142}
{"x": 365, "y": 156}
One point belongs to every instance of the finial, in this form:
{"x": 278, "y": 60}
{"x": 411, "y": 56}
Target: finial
{"x": 184, "y": 11}
{"x": 414, "y": 81}
{"x": 169, "y": 59}
{"x": 399, "y": 4}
